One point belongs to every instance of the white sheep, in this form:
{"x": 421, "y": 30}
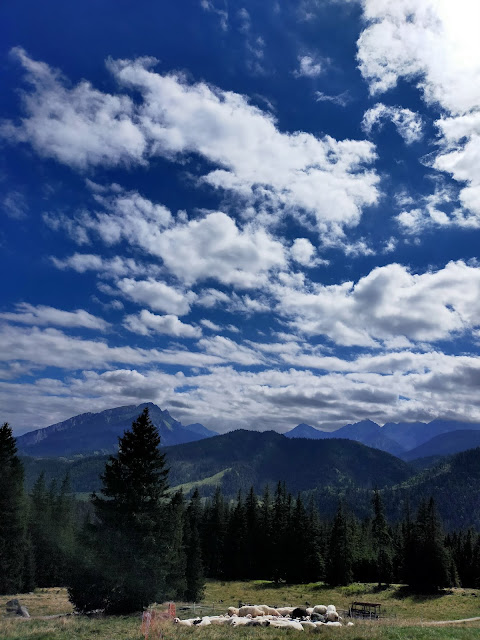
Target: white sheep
{"x": 232, "y": 611}
{"x": 320, "y": 608}
{"x": 219, "y": 620}
{"x": 270, "y": 611}
{"x": 334, "y": 624}
{"x": 237, "y": 621}
{"x": 254, "y": 611}
{"x": 306, "y": 624}
{"x": 205, "y": 622}
{"x": 285, "y": 611}
{"x": 286, "y": 624}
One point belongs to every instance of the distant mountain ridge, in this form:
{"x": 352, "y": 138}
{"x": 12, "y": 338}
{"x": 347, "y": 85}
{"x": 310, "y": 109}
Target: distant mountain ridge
{"x": 401, "y": 439}
{"x": 97, "y": 433}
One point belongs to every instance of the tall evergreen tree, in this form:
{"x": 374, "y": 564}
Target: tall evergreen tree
{"x": 126, "y": 563}
{"x": 12, "y": 515}
{"x": 340, "y": 552}
{"x": 176, "y": 555}
{"x": 429, "y": 564}
{"x": 195, "y": 582}
{"x": 382, "y": 540}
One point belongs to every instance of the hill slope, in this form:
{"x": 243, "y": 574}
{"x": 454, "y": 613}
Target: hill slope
{"x": 445, "y": 444}
{"x": 93, "y": 433}
{"x": 245, "y": 458}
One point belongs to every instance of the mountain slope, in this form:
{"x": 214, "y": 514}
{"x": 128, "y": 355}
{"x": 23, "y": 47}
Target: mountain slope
{"x": 445, "y": 444}
{"x": 366, "y": 432}
{"x": 412, "y": 434}
{"x": 93, "y": 433}
{"x": 245, "y": 458}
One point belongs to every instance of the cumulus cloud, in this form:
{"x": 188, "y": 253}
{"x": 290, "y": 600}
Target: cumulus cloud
{"x": 326, "y": 180}
{"x": 214, "y": 247}
{"x": 146, "y": 323}
{"x": 407, "y": 122}
{"x": 208, "y": 324}
{"x": 435, "y": 44}
{"x": 303, "y": 252}
{"x": 42, "y": 315}
{"x": 159, "y": 296}
{"x": 405, "y": 386}
{"x": 113, "y": 267}
{"x": 389, "y": 302}
{"x": 79, "y": 126}
{"x": 308, "y": 67}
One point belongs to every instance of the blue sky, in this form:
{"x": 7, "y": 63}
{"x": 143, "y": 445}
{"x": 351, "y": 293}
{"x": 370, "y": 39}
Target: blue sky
{"x": 253, "y": 214}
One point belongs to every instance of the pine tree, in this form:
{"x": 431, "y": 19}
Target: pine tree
{"x": 340, "y": 555}
{"x": 195, "y": 582}
{"x": 125, "y": 557}
{"x": 382, "y": 541}
{"x": 176, "y": 556}
{"x": 12, "y": 515}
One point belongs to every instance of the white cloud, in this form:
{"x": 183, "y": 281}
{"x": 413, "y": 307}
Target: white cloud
{"x": 407, "y": 122}
{"x": 404, "y": 386}
{"x": 146, "y": 322}
{"x": 113, "y": 267}
{"x": 77, "y": 126}
{"x": 229, "y": 350}
{"x": 303, "y": 252}
{"x": 435, "y": 44}
{"x": 157, "y": 295}
{"x": 213, "y": 247}
{"x": 208, "y": 5}
{"x": 42, "y": 315}
{"x": 14, "y": 205}
{"x": 308, "y": 67}
{"x": 342, "y": 99}
{"x": 208, "y": 324}
{"x": 326, "y": 180}
{"x": 388, "y": 303}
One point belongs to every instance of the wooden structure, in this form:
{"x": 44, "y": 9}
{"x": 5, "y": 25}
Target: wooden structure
{"x": 366, "y": 610}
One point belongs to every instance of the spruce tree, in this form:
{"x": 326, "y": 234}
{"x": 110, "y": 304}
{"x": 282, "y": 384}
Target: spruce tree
{"x": 195, "y": 582}
{"x": 340, "y": 553}
{"x": 382, "y": 542}
{"x": 126, "y": 545}
{"x": 12, "y": 515}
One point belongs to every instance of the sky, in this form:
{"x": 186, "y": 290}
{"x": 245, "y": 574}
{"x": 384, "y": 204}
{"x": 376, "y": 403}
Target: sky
{"x": 253, "y": 214}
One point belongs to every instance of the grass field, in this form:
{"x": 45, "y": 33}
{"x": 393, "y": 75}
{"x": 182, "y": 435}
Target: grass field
{"x": 408, "y": 615}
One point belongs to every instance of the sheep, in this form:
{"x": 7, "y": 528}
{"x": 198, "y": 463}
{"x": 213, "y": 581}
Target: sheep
{"x": 332, "y": 616}
{"x": 204, "y": 622}
{"x": 306, "y": 624}
{"x": 320, "y": 608}
{"x": 258, "y": 623}
{"x": 350, "y": 624}
{"x": 271, "y": 611}
{"x": 286, "y": 624}
{"x": 309, "y": 611}
{"x": 232, "y": 611}
{"x": 334, "y": 624}
{"x": 254, "y": 611}
{"x": 299, "y": 612}
{"x": 285, "y": 611}
{"x": 220, "y": 620}
{"x": 183, "y": 623}
{"x": 317, "y": 617}
{"x": 237, "y": 621}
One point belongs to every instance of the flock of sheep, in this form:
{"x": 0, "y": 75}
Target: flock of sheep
{"x": 262, "y": 615}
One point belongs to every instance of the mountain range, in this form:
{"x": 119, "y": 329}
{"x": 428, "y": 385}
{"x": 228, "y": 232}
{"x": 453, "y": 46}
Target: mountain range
{"x": 407, "y": 440}
{"x": 97, "y": 433}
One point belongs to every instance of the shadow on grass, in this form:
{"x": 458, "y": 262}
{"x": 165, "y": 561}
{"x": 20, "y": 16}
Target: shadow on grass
{"x": 406, "y": 592}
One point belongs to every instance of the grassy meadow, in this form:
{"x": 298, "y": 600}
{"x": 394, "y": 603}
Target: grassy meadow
{"x": 408, "y": 615}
